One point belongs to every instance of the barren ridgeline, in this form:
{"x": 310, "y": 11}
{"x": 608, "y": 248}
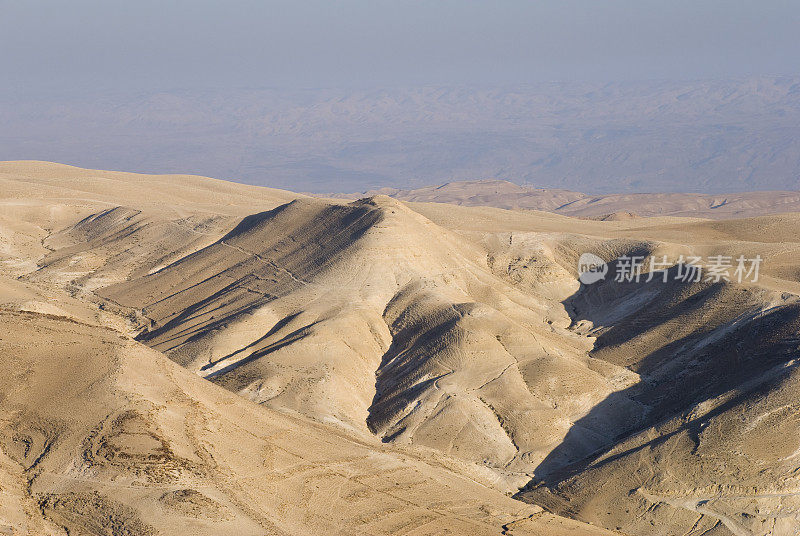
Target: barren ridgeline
{"x": 249, "y": 360}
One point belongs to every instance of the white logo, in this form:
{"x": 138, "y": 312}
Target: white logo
{"x": 591, "y": 269}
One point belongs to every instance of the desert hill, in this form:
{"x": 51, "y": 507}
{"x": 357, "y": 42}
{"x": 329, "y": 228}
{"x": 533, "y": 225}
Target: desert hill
{"x": 369, "y": 315}
{"x": 456, "y": 334}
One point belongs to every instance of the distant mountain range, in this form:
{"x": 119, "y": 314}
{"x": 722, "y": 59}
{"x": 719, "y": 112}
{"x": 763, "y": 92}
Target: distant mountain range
{"x": 708, "y": 136}
{"x": 504, "y": 194}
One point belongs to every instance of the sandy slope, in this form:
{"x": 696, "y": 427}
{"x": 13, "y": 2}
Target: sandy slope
{"x": 460, "y": 332}
{"x": 101, "y": 435}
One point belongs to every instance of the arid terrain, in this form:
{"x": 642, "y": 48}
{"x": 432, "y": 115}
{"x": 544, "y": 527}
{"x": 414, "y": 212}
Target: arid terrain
{"x": 184, "y": 355}
{"x": 505, "y": 194}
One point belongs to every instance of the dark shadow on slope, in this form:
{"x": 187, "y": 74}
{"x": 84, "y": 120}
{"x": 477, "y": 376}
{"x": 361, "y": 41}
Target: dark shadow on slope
{"x": 711, "y": 354}
{"x": 544, "y": 490}
{"x": 276, "y": 328}
{"x": 402, "y": 363}
{"x": 252, "y": 221}
{"x": 309, "y": 248}
{"x": 291, "y": 338}
{"x": 201, "y": 307}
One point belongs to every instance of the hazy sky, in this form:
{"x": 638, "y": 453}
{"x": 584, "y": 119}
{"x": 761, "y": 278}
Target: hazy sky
{"x": 155, "y": 44}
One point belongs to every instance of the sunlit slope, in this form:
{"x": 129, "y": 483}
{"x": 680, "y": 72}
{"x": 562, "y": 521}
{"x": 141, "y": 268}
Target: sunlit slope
{"x": 107, "y": 225}
{"x": 50, "y": 181}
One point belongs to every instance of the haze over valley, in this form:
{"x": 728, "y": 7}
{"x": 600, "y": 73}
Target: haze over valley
{"x": 721, "y": 136}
